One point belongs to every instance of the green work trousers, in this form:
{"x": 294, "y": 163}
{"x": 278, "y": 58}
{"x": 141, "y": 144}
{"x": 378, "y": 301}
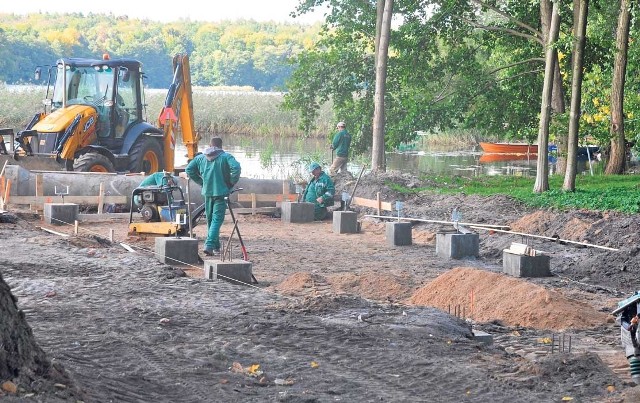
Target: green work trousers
{"x": 215, "y": 207}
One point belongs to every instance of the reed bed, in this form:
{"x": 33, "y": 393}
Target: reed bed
{"x": 226, "y": 112}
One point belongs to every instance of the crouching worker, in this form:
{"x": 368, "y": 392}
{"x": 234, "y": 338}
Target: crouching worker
{"x": 319, "y": 191}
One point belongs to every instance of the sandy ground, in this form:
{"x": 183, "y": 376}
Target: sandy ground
{"x": 334, "y": 317}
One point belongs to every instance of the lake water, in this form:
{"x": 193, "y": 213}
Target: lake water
{"x": 285, "y": 158}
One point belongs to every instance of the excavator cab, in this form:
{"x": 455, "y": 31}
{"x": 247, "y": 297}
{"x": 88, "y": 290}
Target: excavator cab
{"x": 94, "y": 119}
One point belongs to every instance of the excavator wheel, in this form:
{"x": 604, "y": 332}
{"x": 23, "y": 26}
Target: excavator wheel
{"x": 146, "y": 156}
{"x": 93, "y": 162}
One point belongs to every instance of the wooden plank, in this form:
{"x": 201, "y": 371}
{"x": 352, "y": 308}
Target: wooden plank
{"x": 91, "y": 200}
{"x": 247, "y": 197}
{"x": 519, "y": 248}
{"x": 386, "y": 206}
{"x": 103, "y": 217}
{"x": 54, "y": 232}
{"x": 259, "y": 210}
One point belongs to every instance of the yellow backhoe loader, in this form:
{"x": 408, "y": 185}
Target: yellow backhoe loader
{"x": 94, "y": 118}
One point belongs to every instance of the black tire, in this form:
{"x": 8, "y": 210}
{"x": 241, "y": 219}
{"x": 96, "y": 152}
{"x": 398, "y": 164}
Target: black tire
{"x": 93, "y": 162}
{"x": 146, "y": 156}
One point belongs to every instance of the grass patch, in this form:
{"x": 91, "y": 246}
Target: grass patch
{"x": 599, "y": 193}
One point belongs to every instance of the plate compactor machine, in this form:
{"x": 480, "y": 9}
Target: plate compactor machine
{"x": 162, "y": 209}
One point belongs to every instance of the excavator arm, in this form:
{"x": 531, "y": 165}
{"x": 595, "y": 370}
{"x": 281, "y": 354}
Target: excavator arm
{"x": 177, "y": 113}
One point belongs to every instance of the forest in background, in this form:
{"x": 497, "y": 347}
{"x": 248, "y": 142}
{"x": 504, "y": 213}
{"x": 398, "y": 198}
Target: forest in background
{"x": 227, "y": 53}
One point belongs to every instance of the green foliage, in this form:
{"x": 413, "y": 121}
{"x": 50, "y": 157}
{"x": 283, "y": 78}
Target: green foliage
{"x": 600, "y": 193}
{"x": 225, "y": 53}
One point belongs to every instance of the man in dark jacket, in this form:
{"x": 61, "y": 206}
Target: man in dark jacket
{"x": 319, "y": 191}
{"x": 341, "y": 143}
{"x": 217, "y": 172}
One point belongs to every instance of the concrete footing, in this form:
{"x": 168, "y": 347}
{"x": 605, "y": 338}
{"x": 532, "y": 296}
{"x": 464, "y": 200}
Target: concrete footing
{"x": 482, "y": 337}
{"x": 234, "y": 271}
{"x": 345, "y": 222}
{"x": 525, "y": 266}
{"x": 297, "y": 212}
{"x": 172, "y": 250}
{"x": 398, "y": 233}
{"x": 60, "y": 214}
{"x": 457, "y": 245}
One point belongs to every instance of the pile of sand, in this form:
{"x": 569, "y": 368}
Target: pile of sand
{"x": 477, "y": 294}
{"x": 486, "y": 297}
{"x": 374, "y": 286}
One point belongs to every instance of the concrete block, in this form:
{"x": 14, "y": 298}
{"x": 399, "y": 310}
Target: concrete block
{"x": 173, "y": 250}
{"x": 234, "y": 271}
{"x": 345, "y": 222}
{"x": 482, "y": 337}
{"x": 525, "y": 266}
{"x": 398, "y": 233}
{"x": 457, "y": 245}
{"x": 297, "y": 212}
{"x": 60, "y": 214}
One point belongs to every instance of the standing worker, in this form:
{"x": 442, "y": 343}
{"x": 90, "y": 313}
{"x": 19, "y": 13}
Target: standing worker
{"x": 341, "y": 143}
{"x": 217, "y": 172}
{"x": 319, "y": 191}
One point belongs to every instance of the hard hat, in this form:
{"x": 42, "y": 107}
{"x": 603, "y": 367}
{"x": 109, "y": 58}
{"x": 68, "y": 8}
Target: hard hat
{"x": 313, "y": 166}
{"x": 341, "y": 124}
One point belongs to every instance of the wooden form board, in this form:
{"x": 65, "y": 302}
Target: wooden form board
{"x": 40, "y": 200}
{"x": 376, "y": 204}
{"x": 262, "y": 198}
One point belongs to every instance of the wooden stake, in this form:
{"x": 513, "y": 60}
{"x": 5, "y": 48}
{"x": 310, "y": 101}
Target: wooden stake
{"x": 101, "y": 198}
{"x": 39, "y": 192}
{"x": 75, "y": 227}
{"x": 7, "y": 192}
{"x": 111, "y": 232}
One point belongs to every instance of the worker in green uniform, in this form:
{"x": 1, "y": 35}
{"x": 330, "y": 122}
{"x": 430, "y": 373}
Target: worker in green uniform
{"x": 319, "y": 191}
{"x": 217, "y": 172}
{"x": 340, "y": 144}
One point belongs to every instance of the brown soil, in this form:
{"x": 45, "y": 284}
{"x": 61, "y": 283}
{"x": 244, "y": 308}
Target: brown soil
{"x": 333, "y": 316}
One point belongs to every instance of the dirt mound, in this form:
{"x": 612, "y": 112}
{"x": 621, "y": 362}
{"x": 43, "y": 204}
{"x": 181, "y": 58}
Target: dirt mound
{"x": 24, "y": 366}
{"x": 301, "y": 284}
{"x": 374, "y": 286}
{"x": 486, "y": 297}
{"x": 563, "y": 369}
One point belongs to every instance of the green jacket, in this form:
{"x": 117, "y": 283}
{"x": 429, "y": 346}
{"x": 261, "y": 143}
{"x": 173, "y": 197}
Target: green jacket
{"x": 341, "y": 142}
{"x": 323, "y": 186}
{"x": 217, "y": 174}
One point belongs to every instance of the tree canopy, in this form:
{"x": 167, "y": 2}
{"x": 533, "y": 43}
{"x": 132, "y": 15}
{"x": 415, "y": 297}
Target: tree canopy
{"x": 244, "y": 53}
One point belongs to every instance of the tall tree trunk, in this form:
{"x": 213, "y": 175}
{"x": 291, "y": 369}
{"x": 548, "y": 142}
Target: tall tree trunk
{"x": 557, "y": 95}
{"x": 580, "y": 29}
{"x": 542, "y": 171}
{"x": 378, "y": 162}
{"x": 618, "y": 149}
